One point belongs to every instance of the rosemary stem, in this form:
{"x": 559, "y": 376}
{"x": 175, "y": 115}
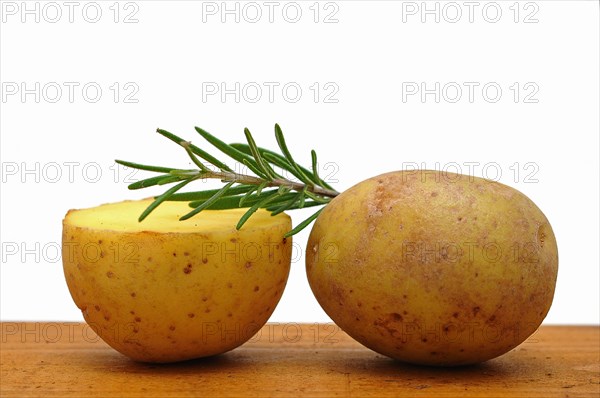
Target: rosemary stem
{"x": 275, "y": 182}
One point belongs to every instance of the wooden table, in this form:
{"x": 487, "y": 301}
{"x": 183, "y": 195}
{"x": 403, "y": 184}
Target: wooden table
{"x": 67, "y": 359}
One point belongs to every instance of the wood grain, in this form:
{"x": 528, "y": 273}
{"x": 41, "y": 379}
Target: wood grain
{"x": 67, "y": 359}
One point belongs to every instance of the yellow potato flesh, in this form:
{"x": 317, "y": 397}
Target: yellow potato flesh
{"x": 165, "y": 290}
{"x": 433, "y": 268}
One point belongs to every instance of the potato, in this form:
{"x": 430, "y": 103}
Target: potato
{"x": 433, "y": 268}
{"x": 165, "y": 290}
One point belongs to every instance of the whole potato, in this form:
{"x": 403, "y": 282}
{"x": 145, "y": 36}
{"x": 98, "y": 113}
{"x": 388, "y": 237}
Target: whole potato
{"x": 167, "y": 290}
{"x": 433, "y": 268}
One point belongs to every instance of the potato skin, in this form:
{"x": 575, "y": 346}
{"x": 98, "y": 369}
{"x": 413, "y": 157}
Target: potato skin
{"x": 433, "y": 268}
{"x": 165, "y": 297}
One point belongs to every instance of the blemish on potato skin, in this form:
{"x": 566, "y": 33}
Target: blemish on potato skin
{"x": 133, "y": 294}
{"x": 385, "y": 322}
{"x": 204, "y": 260}
{"x": 97, "y": 307}
{"x": 248, "y": 264}
{"x": 476, "y": 310}
{"x": 171, "y": 328}
{"x": 455, "y": 315}
{"x": 229, "y": 285}
{"x": 138, "y": 319}
{"x": 187, "y": 270}
{"x": 110, "y": 274}
{"x": 204, "y": 298}
{"x": 191, "y": 315}
{"x": 256, "y": 288}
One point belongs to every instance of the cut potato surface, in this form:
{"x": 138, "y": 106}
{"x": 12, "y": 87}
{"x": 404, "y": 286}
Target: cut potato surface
{"x": 165, "y": 290}
{"x": 123, "y": 216}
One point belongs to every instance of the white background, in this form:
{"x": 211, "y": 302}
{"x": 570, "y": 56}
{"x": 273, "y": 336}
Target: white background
{"x": 58, "y": 153}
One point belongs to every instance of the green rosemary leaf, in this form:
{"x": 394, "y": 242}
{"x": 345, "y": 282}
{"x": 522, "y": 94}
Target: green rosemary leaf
{"x": 307, "y": 204}
{"x": 149, "y": 182}
{"x": 186, "y": 146}
{"x": 210, "y": 201}
{"x": 255, "y": 169}
{"x": 256, "y": 206}
{"x": 203, "y": 195}
{"x": 224, "y": 202}
{"x": 317, "y": 198}
{"x": 226, "y": 148}
{"x": 264, "y": 166}
{"x": 286, "y": 205}
{"x": 281, "y": 162}
{"x": 313, "y": 156}
{"x": 170, "y": 180}
{"x": 261, "y": 187}
{"x": 203, "y": 154}
{"x": 274, "y": 158}
{"x": 247, "y": 195}
{"x": 302, "y": 203}
{"x": 284, "y": 149}
{"x": 163, "y": 197}
{"x": 315, "y": 170}
{"x": 232, "y": 201}
{"x": 144, "y": 167}
{"x": 186, "y": 173}
{"x": 303, "y": 224}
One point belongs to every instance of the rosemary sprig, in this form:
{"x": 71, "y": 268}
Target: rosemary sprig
{"x": 240, "y": 190}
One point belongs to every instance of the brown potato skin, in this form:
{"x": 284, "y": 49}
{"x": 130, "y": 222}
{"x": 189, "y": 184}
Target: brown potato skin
{"x": 433, "y": 268}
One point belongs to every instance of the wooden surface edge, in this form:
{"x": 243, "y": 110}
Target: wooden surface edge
{"x": 56, "y": 359}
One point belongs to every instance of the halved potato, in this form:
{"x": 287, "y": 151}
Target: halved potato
{"x": 165, "y": 290}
